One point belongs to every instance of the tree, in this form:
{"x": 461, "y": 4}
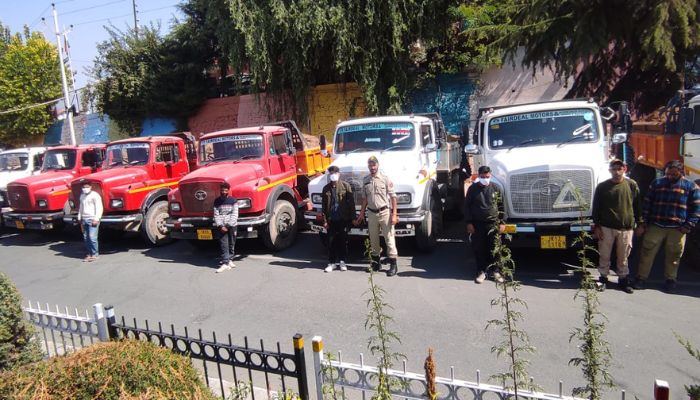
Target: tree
{"x": 29, "y": 76}
{"x": 613, "y": 50}
{"x": 17, "y": 346}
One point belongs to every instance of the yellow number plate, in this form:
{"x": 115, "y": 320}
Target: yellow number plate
{"x": 204, "y": 234}
{"x": 19, "y": 224}
{"x": 511, "y": 228}
{"x": 553, "y": 242}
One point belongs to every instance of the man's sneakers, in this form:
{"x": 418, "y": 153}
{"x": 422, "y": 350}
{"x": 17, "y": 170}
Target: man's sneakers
{"x": 343, "y": 267}
{"x": 90, "y": 258}
{"x": 624, "y": 285}
{"x": 225, "y": 267}
{"x": 480, "y": 278}
{"x": 602, "y": 283}
{"x": 332, "y": 266}
{"x": 497, "y": 277}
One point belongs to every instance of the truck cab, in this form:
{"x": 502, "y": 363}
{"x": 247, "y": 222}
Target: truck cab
{"x": 266, "y": 167}
{"x": 16, "y": 164}
{"x": 413, "y": 152}
{"x": 690, "y": 141}
{"x": 547, "y": 159}
{"x": 37, "y": 201}
{"x": 136, "y": 176}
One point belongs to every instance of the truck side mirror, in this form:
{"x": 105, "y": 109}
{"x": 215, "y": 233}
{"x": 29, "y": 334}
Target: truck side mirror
{"x": 430, "y": 147}
{"x": 471, "y": 149}
{"x": 323, "y": 143}
{"x": 607, "y": 113}
{"x": 619, "y": 138}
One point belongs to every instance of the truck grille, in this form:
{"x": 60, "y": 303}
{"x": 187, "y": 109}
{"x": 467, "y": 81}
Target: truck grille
{"x": 549, "y": 192}
{"x": 355, "y": 181}
{"x": 3, "y": 198}
{"x": 198, "y": 197}
{"x": 18, "y": 197}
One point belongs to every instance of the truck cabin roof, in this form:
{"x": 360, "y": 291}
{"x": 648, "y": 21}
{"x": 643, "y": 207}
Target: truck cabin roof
{"x": 80, "y": 146}
{"x": 264, "y": 129}
{"x": 525, "y": 107}
{"x": 148, "y": 139}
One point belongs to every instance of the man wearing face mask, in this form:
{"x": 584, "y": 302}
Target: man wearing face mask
{"x": 89, "y": 215}
{"x": 226, "y": 219}
{"x": 671, "y": 210}
{"x": 338, "y": 206}
{"x": 481, "y": 212}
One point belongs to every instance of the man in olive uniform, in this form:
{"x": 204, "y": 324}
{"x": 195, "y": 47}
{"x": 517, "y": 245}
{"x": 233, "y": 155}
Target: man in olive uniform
{"x": 380, "y": 201}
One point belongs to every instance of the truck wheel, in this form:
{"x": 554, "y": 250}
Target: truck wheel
{"x": 428, "y": 230}
{"x": 153, "y": 226}
{"x": 281, "y": 231}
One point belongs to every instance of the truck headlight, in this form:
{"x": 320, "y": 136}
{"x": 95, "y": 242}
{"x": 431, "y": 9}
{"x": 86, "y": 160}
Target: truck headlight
{"x": 244, "y": 203}
{"x": 175, "y": 206}
{"x": 403, "y": 198}
{"x": 42, "y": 203}
{"x": 117, "y": 203}
{"x": 316, "y": 198}
{"x": 71, "y": 203}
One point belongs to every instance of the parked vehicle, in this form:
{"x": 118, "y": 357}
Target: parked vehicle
{"x": 547, "y": 158}
{"x": 134, "y": 183}
{"x": 16, "y": 164}
{"x": 37, "y": 202}
{"x": 414, "y": 152}
{"x": 268, "y": 168}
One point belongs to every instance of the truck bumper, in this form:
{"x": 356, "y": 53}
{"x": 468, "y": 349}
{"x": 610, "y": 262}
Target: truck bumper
{"x": 555, "y": 235}
{"x": 33, "y": 221}
{"x": 202, "y": 228}
{"x": 123, "y": 222}
{"x": 406, "y": 227}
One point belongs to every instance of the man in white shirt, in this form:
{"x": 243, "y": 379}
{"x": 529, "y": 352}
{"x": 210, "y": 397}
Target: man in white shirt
{"x": 89, "y": 215}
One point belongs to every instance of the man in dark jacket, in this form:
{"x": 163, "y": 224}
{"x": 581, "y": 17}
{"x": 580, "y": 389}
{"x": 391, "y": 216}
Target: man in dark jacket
{"x": 338, "y": 206}
{"x": 481, "y": 212}
{"x": 226, "y": 219}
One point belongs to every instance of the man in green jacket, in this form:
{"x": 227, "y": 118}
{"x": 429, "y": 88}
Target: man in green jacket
{"x": 338, "y": 206}
{"x": 617, "y": 208}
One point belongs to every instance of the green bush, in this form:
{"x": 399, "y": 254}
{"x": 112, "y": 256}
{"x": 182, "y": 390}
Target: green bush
{"x": 17, "y": 344}
{"x": 116, "y": 370}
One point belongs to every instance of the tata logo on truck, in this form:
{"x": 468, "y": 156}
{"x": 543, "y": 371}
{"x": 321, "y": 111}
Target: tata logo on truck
{"x": 200, "y": 195}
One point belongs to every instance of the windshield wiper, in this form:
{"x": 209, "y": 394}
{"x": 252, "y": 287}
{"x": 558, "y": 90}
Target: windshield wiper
{"x": 524, "y": 142}
{"x": 217, "y": 159}
{"x": 399, "y": 146}
{"x": 246, "y": 157}
{"x": 361, "y": 149}
{"x": 578, "y": 133}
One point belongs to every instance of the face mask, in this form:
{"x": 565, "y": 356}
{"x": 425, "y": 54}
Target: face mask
{"x": 334, "y": 177}
{"x": 485, "y": 181}
{"x": 86, "y": 190}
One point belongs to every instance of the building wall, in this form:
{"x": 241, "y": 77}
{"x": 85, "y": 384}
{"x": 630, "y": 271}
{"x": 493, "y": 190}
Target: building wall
{"x": 90, "y": 128}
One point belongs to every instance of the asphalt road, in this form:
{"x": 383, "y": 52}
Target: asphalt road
{"x": 435, "y": 303}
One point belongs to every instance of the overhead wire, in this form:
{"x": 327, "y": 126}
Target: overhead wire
{"x": 92, "y": 7}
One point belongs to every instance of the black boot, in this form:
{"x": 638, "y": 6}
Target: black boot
{"x": 602, "y": 283}
{"x": 393, "y": 269}
{"x": 376, "y": 266}
{"x": 624, "y": 285}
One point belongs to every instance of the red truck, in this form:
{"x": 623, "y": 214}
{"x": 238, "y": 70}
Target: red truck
{"x": 137, "y": 175}
{"x": 37, "y": 202}
{"x": 268, "y": 168}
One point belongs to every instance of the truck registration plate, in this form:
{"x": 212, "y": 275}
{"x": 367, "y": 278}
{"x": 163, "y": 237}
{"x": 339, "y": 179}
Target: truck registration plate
{"x": 553, "y": 242}
{"x": 204, "y": 234}
{"x": 19, "y": 224}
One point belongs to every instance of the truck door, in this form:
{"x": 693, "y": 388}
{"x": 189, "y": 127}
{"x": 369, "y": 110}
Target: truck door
{"x": 691, "y": 146}
{"x": 427, "y": 142}
{"x": 168, "y": 163}
{"x": 282, "y": 163}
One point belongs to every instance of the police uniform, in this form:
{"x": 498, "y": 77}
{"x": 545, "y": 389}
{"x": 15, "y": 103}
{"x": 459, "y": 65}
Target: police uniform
{"x": 378, "y": 191}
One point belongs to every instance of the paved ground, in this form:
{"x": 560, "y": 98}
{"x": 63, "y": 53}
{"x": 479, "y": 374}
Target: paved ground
{"x": 436, "y": 304}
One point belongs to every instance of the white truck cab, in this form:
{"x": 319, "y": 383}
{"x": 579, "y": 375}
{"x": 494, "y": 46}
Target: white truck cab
{"x": 547, "y": 158}
{"x": 413, "y": 152}
{"x": 690, "y": 142}
{"x": 16, "y": 164}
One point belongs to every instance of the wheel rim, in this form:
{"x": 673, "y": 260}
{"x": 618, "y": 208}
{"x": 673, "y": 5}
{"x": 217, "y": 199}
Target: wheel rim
{"x": 284, "y": 223}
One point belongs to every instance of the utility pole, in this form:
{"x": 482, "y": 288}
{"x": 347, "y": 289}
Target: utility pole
{"x": 136, "y": 21}
{"x": 66, "y": 96}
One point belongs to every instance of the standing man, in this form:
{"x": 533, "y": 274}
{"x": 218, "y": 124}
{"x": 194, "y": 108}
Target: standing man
{"x": 378, "y": 192}
{"x": 89, "y": 215}
{"x": 226, "y": 219}
{"x": 338, "y": 206}
{"x": 671, "y": 210}
{"x": 481, "y": 212}
{"x": 617, "y": 207}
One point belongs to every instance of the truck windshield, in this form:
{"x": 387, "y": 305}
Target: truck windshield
{"x": 127, "y": 154}
{"x": 543, "y": 128}
{"x": 14, "y": 162}
{"x": 234, "y": 147}
{"x": 375, "y": 137}
{"x": 59, "y": 160}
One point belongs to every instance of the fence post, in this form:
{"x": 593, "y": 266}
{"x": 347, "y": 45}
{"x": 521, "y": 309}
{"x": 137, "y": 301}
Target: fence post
{"x": 301, "y": 366}
{"x": 662, "y": 391}
{"x": 98, "y": 314}
{"x": 317, "y": 342}
{"x": 111, "y": 320}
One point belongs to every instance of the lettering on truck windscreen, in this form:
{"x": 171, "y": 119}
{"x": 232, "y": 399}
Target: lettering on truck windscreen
{"x": 542, "y": 128}
{"x": 235, "y": 147}
{"x": 375, "y": 137}
{"x": 127, "y": 154}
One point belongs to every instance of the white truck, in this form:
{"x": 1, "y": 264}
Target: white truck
{"x": 414, "y": 152}
{"x": 16, "y": 164}
{"x": 541, "y": 155}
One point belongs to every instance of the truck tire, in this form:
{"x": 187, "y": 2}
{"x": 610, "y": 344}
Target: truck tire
{"x": 428, "y": 230}
{"x": 153, "y": 226}
{"x": 281, "y": 231}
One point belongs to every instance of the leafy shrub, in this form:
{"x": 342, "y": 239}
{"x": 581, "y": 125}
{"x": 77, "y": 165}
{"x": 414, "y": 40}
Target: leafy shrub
{"x": 116, "y": 370}
{"x": 17, "y": 345}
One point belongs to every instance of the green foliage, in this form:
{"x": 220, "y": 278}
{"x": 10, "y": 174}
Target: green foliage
{"x": 616, "y": 50}
{"x": 29, "y": 75}
{"x": 240, "y": 391}
{"x": 515, "y": 344}
{"x": 595, "y": 356}
{"x": 114, "y": 370}
{"x": 692, "y": 390}
{"x": 17, "y": 343}
{"x": 330, "y": 376}
{"x": 379, "y": 344}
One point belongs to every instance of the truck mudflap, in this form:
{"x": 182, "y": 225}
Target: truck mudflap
{"x": 201, "y": 228}
{"x": 557, "y": 235}
{"x": 406, "y": 227}
{"x": 33, "y": 221}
